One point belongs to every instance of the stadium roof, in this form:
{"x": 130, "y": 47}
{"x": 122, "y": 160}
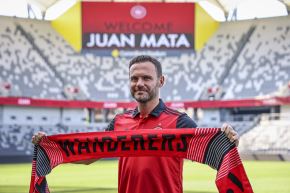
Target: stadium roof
{"x": 221, "y": 10}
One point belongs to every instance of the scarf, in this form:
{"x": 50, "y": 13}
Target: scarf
{"x": 204, "y": 145}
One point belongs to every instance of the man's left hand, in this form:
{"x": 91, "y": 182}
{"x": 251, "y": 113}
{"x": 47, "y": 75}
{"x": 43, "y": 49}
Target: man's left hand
{"x": 230, "y": 133}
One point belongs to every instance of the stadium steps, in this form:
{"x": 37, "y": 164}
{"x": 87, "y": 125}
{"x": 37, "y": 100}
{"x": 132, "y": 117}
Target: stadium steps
{"x": 244, "y": 40}
{"x": 240, "y": 44}
{"x": 37, "y": 49}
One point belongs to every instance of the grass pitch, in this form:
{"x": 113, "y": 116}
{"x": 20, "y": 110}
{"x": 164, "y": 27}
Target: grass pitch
{"x": 101, "y": 177}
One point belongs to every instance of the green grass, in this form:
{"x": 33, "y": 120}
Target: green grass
{"x": 101, "y": 177}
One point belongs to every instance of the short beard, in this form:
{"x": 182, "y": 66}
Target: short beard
{"x": 143, "y": 100}
{"x": 151, "y": 96}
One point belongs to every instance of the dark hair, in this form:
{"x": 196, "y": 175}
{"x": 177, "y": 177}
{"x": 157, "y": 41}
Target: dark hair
{"x": 146, "y": 58}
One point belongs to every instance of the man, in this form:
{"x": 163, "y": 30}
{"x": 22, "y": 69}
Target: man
{"x": 150, "y": 174}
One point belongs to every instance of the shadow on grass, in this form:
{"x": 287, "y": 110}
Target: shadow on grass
{"x": 85, "y": 190}
{"x": 25, "y": 189}
{"x": 198, "y": 192}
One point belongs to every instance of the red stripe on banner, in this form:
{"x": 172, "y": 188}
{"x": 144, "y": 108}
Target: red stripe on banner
{"x": 53, "y": 151}
{"x": 228, "y": 164}
{"x": 199, "y": 143}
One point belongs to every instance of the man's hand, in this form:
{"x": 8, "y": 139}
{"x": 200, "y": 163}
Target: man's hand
{"x": 37, "y": 137}
{"x": 231, "y": 133}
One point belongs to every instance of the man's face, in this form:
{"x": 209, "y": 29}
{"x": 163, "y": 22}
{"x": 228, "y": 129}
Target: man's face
{"x": 144, "y": 83}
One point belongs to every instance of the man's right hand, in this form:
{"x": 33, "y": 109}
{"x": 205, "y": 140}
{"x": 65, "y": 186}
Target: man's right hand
{"x": 37, "y": 137}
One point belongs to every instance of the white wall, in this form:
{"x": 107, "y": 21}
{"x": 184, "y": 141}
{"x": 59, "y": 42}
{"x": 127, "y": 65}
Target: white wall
{"x": 285, "y": 109}
{"x": 30, "y": 115}
{"x": 74, "y": 116}
{"x": 210, "y": 116}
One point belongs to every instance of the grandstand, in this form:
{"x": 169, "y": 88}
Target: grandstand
{"x": 269, "y": 137}
{"x": 263, "y": 65}
{"x": 244, "y": 61}
{"x": 22, "y": 67}
{"x": 227, "y": 61}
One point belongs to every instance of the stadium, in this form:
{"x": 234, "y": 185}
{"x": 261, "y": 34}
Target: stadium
{"x": 66, "y": 71}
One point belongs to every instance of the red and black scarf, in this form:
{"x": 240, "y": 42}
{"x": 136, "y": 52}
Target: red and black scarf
{"x": 208, "y": 146}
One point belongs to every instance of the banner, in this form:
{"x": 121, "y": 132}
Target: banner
{"x": 107, "y": 25}
{"x": 204, "y": 145}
